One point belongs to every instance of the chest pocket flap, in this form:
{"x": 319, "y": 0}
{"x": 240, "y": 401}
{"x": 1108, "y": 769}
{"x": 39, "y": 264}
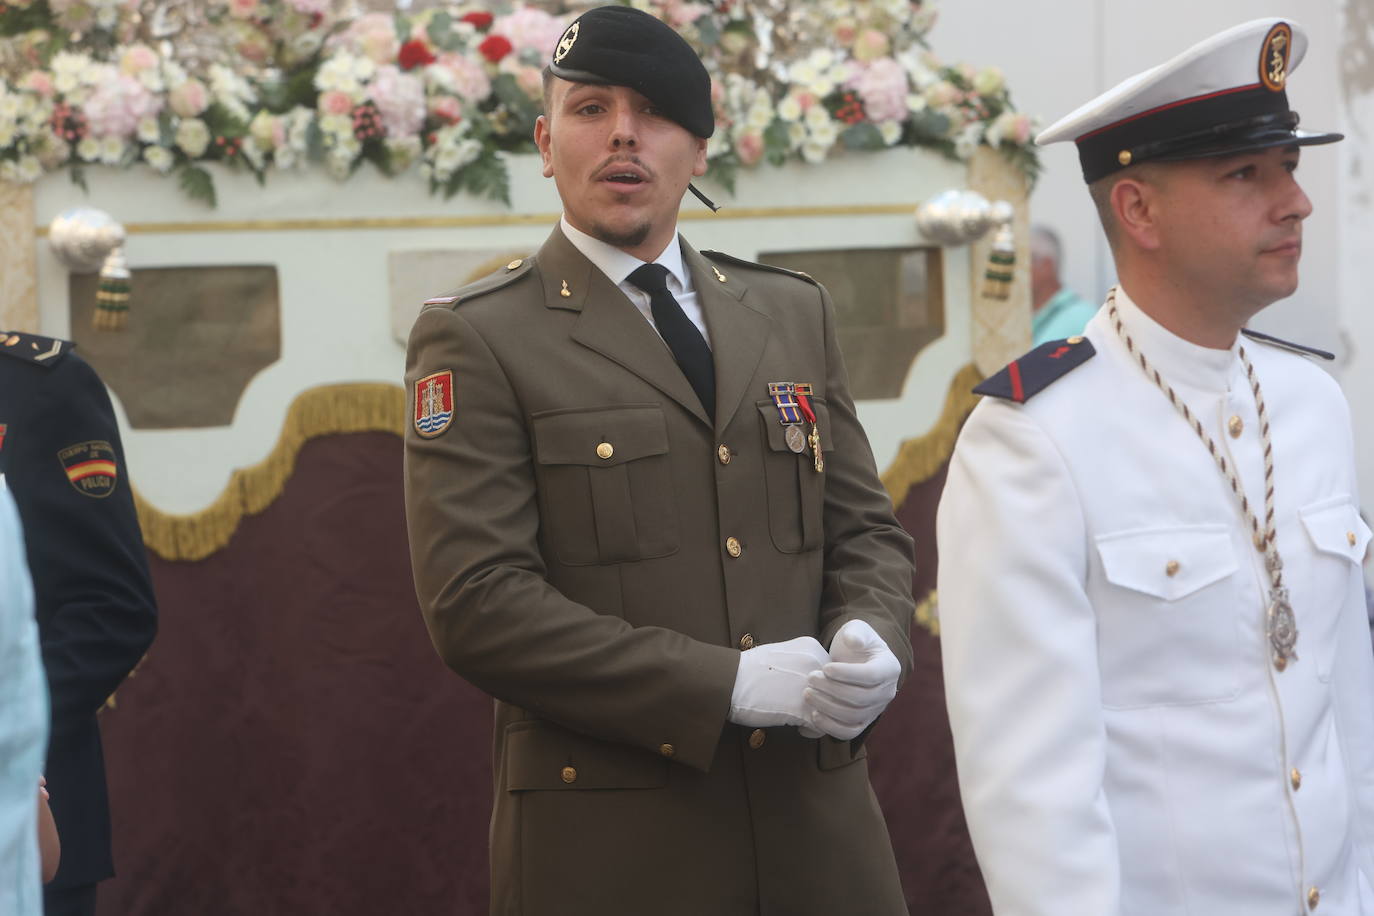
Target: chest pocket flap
{"x": 1167, "y": 563}
{"x": 581, "y": 436}
{"x": 1337, "y": 529}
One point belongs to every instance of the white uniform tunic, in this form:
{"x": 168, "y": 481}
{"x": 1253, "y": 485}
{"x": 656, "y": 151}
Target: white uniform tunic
{"x": 1125, "y": 745}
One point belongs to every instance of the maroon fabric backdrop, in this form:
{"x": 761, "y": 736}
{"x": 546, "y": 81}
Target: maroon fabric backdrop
{"x": 292, "y": 744}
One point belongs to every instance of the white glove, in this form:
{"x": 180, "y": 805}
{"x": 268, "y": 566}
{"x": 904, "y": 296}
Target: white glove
{"x": 847, "y": 694}
{"x": 770, "y": 681}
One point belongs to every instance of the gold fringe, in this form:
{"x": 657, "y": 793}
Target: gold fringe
{"x": 323, "y": 411}
{"x": 919, "y": 459}
{"x": 927, "y": 612}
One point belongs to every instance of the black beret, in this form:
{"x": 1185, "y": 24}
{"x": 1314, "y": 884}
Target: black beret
{"x": 623, "y": 46}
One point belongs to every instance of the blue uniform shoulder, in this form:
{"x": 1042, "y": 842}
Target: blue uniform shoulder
{"x": 33, "y": 348}
{"x": 1031, "y": 374}
{"x": 500, "y": 279}
{"x": 1300, "y": 349}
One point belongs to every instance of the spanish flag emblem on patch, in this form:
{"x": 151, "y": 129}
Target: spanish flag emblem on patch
{"x": 91, "y": 468}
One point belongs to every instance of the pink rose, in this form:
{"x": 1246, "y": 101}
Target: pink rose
{"x": 189, "y": 99}
{"x": 446, "y": 108}
{"x": 845, "y": 30}
{"x": 870, "y": 44}
{"x": 806, "y": 100}
{"x": 530, "y": 29}
{"x": 137, "y": 59}
{"x": 400, "y": 98}
{"x": 38, "y": 81}
{"x": 749, "y": 147}
{"x": 374, "y": 36}
{"x": 465, "y": 77}
{"x": 243, "y": 9}
{"x": 529, "y": 79}
{"x": 335, "y": 102}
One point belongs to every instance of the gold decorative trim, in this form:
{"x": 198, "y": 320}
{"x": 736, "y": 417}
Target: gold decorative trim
{"x": 500, "y": 219}
{"x": 18, "y": 259}
{"x": 323, "y": 411}
{"x": 920, "y": 458}
{"x": 928, "y": 612}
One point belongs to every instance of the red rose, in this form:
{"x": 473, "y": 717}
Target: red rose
{"x": 495, "y": 47}
{"x": 414, "y": 53}
{"x": 479, "y": 19}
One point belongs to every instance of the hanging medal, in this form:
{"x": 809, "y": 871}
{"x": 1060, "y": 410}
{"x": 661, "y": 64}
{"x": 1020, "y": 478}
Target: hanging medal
{"x": 802, "y": 392}
{"x": 789, "y": 414}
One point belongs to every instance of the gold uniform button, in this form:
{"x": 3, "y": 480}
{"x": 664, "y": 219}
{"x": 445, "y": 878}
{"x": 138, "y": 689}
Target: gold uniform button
{"x": 746, "y": 642}
{"x": 1350, "y": 536}
{"x": 1124, "y": 157}
{"x": 732, "y": 547}
{"x": 756, "y": 738}
{"x": 1235, "y": 426}
{"x": 514, "y": 264}
{"x": 605, "y": 450}
{"x": 723, "y": 453}
{"x": 1171, "y": 568}
{"x": 667, "y": 750}
{"x": 1295, "y": 777}
{"x": 569, "y": 775}
{"x": 1314, "y": 897}
{"x": 1074, "y": 341}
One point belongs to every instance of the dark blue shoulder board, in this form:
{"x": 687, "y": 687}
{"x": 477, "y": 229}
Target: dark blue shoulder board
{"x": 1031, "y": 374}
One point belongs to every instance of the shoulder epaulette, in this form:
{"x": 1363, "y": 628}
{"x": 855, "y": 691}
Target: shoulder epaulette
{"x": 1286, "y": 344}
{"x": 1026, "y": 377}
{"x": 33, "y": 348}
{"x": 740, "y": 262}
{"x": 488, "y": 284}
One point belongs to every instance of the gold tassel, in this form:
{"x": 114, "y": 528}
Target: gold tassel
{"x": 1001, "y": 265}
{"x": 112, "y": 296}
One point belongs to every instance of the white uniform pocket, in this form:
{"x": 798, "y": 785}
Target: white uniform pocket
{"x": 1168, "y": 630}
{"x": 1337, "y": 538}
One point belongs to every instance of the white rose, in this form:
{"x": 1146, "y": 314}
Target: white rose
{"x": 193, "y": 137}
{"x": 159, "y": 157}
{"x": 891, "y": 131}
{"x": 817, "y": 116}
{"x": 30, "y": 169}
{"x": 826, "y": 133}
{"x": 285, "y": 157}
{"x": 760, "y": 116}
{"x": 814, "y": 152}
{"x": 88, "y": 149}
{"x": 111, "y": 150}
{"x": 148, "y": 130}
{"x": 789, "y": 109}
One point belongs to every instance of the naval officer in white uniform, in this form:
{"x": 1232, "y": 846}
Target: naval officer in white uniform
{"x": 1157, "y": 665}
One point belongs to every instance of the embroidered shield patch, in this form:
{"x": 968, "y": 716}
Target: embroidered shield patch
{"x": 91, "y": 468}
{"x": 434, "y": 404}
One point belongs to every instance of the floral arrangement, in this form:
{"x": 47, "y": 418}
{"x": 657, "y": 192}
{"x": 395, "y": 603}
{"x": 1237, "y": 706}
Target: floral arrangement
{"x": 277, "y": 85}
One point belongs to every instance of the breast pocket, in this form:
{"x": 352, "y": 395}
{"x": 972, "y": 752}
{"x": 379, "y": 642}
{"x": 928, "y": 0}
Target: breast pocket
{"x": 1168, "y": 625}
{"x": 1336, "y": 542}
{"x": 796, "y": 490}
{"x": 606, "y": 492}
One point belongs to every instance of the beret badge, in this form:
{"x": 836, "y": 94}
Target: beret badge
{"x": 1273, "y": 64}
{"x": 565, "y": 44}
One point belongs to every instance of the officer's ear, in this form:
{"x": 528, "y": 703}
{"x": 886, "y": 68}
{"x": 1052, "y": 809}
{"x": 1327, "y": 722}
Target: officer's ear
{"x": 543, "y": 140}
{"x": 1136, "y": 206}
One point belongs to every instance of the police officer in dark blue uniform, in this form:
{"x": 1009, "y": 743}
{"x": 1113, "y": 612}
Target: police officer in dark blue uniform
{"x": 62, "y": 458}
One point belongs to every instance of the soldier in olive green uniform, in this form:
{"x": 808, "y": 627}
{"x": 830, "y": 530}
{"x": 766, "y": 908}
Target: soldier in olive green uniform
{"x": 644, "y": 517}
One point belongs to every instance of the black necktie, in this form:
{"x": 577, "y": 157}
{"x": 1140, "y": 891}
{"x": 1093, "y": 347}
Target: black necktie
{"x": 682, "y": 337}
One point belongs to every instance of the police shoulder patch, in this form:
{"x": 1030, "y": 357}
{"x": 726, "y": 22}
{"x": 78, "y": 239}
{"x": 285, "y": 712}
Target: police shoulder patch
{"x": 1031, "y": 374}
{"x": 90, "y": 468}
{"x": 1288, "y": 345}
{"x": 504, "y": 277}
{"x": 723, "y": 258}
{"x": 32, "y": 348}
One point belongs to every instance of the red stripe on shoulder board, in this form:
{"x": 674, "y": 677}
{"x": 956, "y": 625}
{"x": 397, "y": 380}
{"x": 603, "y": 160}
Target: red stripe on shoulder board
{"x": 1018, "y": 393}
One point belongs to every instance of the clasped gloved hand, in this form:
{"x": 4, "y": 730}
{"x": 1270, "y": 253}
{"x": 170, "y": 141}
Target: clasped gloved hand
{"x": 855, "y": 686}
{"x": 771, "y": 680}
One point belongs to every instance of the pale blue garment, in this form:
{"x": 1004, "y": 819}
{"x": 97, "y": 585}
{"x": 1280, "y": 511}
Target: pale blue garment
{"x": 1066, "y": 314}
{"x": 23, "y": 723}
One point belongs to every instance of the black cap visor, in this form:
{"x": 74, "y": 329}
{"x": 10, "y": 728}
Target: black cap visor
{"x": 1246, "y": 142}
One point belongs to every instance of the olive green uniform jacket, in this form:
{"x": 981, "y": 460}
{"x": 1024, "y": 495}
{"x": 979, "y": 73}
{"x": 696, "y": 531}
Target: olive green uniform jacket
{"x": 573, "y": 533}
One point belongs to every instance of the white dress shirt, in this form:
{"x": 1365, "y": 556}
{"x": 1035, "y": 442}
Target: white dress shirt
{"x": 23, "y": 723}
{"x": 617, "y": 265}
{"x": 1125, "y": 746}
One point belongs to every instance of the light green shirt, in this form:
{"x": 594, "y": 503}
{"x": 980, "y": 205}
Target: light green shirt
{"x": 1065, "y": 315}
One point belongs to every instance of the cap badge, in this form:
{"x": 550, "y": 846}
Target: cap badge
{"x": 565, "y": 44}
{"x": 1273, "y": 65}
